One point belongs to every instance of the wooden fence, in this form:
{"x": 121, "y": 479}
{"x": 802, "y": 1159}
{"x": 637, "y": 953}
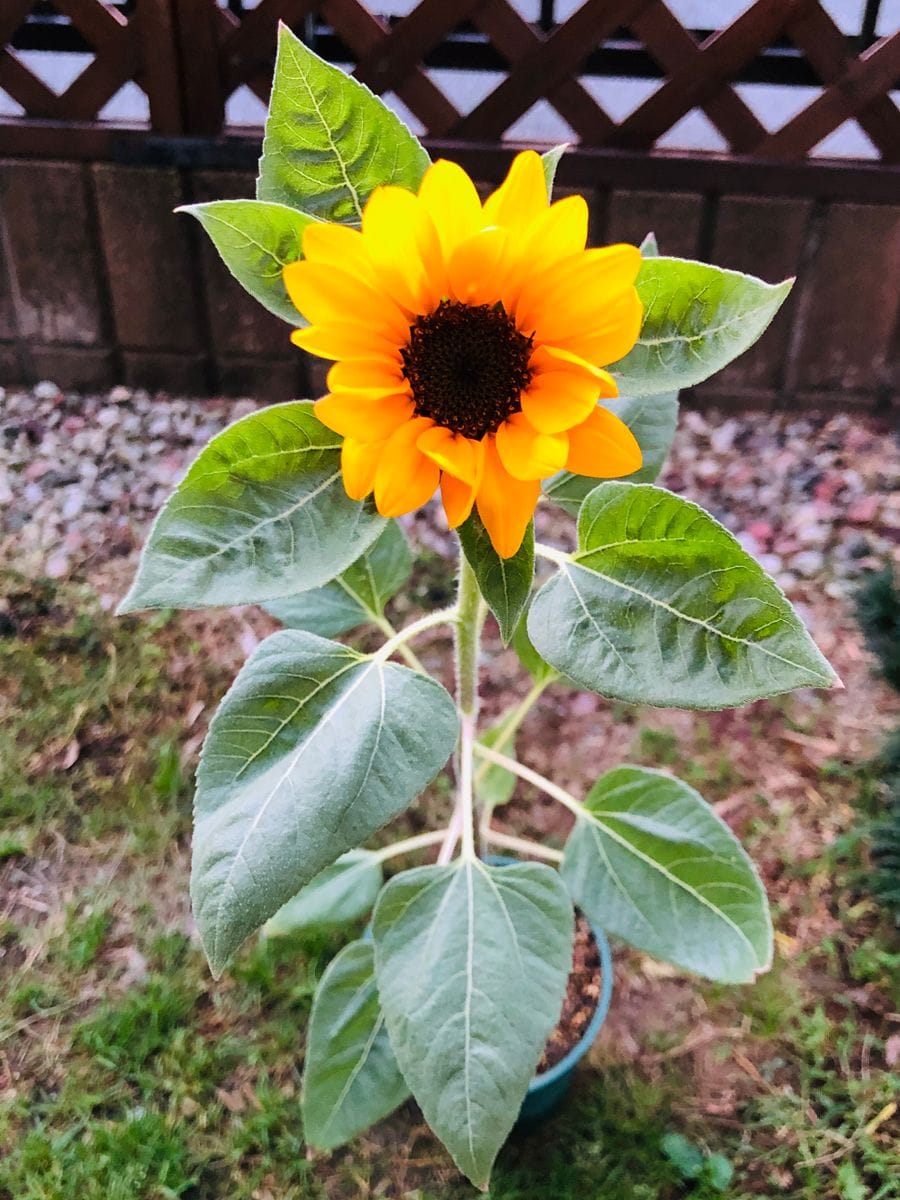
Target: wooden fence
{"x": 99, "y": 283}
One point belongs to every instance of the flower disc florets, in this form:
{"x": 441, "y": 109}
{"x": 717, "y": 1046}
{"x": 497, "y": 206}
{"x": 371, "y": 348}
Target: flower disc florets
{"x": 469, "y": 342}
{"x": 467, "y": 365}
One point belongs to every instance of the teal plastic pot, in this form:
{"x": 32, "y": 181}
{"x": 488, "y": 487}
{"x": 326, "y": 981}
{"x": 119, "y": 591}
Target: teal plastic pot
{"x": 547, "y": 1091}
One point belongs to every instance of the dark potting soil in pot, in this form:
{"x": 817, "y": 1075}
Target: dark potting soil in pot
{"x": 582, "y": 997}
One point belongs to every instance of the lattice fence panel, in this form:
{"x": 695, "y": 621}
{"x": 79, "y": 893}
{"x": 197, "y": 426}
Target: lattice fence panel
{"x": 190, "y": 56}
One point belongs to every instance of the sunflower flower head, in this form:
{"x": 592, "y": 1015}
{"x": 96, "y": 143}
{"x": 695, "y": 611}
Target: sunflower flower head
{"x": 469, "y": 343}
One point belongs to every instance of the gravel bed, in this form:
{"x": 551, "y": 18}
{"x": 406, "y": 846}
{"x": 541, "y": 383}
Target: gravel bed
{"x": 815, "y": 498}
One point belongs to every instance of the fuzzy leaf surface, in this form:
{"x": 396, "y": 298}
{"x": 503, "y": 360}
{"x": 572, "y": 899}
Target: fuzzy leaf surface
{"x": 472, "y": 963}
{"x": 661, "y": 605}
{"x": 329, "y": 142}
{"x": 651, "y": 862}
{"x": 505, "y": 583}
{"x": 313, "y": 749}
{"x": 357, "y": 596}
{"x": 338, "y": 895}
{"x": 350, "y": 1076}
{"x": 697, "y": 319}
{"x": 255, "y": 241}
{"x": 262, "y": 513}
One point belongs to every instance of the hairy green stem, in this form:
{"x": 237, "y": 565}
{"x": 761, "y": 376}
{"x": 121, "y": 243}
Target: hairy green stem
{"x": 412, "y": 660}
{"x": 418, "y": 842}
{"x": 511, "y": 724}
{"x": 539, "y": 781}
{"x": 520, "y": 845}
{"x": 470, "y": 618}
{"x": 551, "y": 553}
{"x": 444, "y": 616}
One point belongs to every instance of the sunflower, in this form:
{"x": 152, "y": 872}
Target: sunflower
{"x": 469, "y": 343}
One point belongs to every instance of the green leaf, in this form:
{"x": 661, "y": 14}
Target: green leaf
{"x": 660, "y": 605}
{"x": 550, "y": 161}
{"x": 313, "y": 749}
{"x": 495, "y": 785}
{"x": 652, "y": 420}
{"x": 357, "y": 596}
{"x": 255, "y": 240}
{"x": 648, "y": 246}
{"x": 505, "y": 583}
{"x": 350, "y": 1076}
{"x": 697, "y": 318}
{"x": 261, "y": 513}
{"x": 472, "y": 963}
{"x": 338, "y": 895}
{"x": 687, "y": 1159}
{"x": 652, "y": 863}
{"x": 538, "y": 668}
{"x": 329, "y": 142}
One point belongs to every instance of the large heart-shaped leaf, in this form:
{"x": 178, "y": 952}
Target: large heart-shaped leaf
{"x": 505, "y": 583}
{"x": 649, "y": 861}
{"x": 661, "y": 605}
{"x": 256, "y": 240}
{"x": 652, "y": 420}
{"x": 472, "y": 963}
{"x": 697, "y": 318}
{"x": 350, "y": 1076}
{"x": 358, "y": 595}
{"x": 261, "y": 513}
{"x": 329, "y": 142}
{"x": 314, "y": 748}
{"x": 338, "y": 895}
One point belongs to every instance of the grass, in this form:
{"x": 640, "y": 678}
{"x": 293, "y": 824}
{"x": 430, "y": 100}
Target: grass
{"x": 127, "y": 1073}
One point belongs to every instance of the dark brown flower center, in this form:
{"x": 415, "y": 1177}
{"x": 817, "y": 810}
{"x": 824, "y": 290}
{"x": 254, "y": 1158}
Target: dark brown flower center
{"x": 467, "y": 365}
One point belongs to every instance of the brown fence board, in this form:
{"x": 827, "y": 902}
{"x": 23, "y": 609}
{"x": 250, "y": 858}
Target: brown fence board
{"x": 850, "y": 299}
{"x": 178, "y": 374}
{"x": 148, "y": 256}
{"x": 675, "y": 219}
{"x": 82, "y": 369}
{"x": 53, "y": 253}
{"x": 764, "y": 237}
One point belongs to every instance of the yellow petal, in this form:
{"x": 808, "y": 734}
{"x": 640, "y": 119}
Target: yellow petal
{"x": 324, "y": 293}
{"x": 368, "y": 376}
{"x": 578, "y": 286}
{"x": 553, "y": 358}
{"x": 558, "y": 233}
{"x": 557, "y": 400}
{"x": 522, "y": 196}
{"x": 477, "y": 267}
{"x": 603, "y": 447}
{"x": 404, "y": 246}
{"x": 406, "y": 478}
{"x": 609, "y": 334}
{"x": 339, "y": 246}
{"x": 359, "y": 461}
{"x": 505, "y": 504}
{"x": 449, "y": 197}
{"x": 528, "y": 454}
{"x": 457, "y": 498}
{"x": 345, "y": 339}
{"x": 461, "y": 456}
{"x": 364, "y": 418}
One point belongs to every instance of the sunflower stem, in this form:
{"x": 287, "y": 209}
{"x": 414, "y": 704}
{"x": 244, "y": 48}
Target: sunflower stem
{"x": 470, "y": 618}
{"x": 419, "y": 842}
{"x": 539, "y": 781}
{"x": 444, "y": 616}
{"x": 506, "y": 841}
